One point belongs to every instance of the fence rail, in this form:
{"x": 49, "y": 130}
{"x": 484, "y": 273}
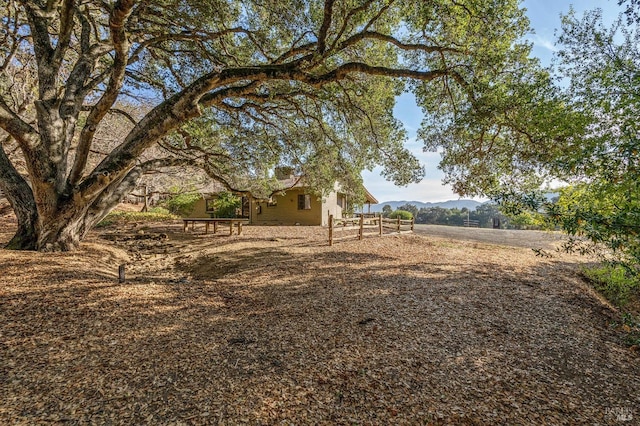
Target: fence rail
{"x": 359, "y": 227}
{"x": 471, "y": 223}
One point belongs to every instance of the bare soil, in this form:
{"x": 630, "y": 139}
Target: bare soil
{"x": 276, "y": 327}
{"x": 501, "y": 237}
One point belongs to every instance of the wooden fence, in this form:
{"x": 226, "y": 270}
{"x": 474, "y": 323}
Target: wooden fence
{"x": 359, "y": 227}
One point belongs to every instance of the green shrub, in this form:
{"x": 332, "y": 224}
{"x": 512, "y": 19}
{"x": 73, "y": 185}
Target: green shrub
{"x": 402, "y": 214}
{"x": 181, "y": 204}
{"x": 615, "y": 282}
{"x": 159, "y": 210}
{"x": 225, "y": 204}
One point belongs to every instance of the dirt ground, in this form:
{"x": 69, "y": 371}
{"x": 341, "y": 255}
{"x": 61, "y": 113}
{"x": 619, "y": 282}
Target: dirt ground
{"x": 502, "y": 237}
{"x": 276, "y": 327}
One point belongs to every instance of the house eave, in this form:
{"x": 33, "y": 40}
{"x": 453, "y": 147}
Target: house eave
{"x": 370, "y": 199}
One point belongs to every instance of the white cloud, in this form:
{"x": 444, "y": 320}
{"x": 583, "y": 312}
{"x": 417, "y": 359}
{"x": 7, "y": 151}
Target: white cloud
{"x": 543, "y": 42}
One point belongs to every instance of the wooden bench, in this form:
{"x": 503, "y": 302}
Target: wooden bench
{"x": 208, "y": 220}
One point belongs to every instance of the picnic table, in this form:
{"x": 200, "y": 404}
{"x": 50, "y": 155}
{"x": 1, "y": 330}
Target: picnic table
{"x": 217, "y": 220}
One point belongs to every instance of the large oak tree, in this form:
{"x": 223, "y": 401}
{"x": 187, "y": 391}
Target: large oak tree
{"x": 232, "y": 87}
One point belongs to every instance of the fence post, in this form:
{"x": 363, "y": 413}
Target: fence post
{"x": 330, "y": 229}
{"x": 361, "y": 227}
{"x": 412, "y": 222}
{"x": 121, "y": 277}
{"x": 398, "y": 224}
{"x": 380, "y": 224}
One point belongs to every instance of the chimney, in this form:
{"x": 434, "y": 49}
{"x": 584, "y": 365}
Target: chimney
{"x": 283, "y": 172}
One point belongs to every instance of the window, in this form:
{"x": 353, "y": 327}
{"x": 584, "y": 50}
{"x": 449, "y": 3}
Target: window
{"x": 304, "y": 202}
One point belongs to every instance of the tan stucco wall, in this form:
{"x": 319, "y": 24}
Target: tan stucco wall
{"x": 330, "y": 206}
{"x": 199, "y": 209}
{"x": 286, "y": 211}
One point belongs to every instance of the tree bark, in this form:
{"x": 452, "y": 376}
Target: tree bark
{"x": 60, "y": 233}
{"x": 25, "y": 237}
{"x": 20, "y": 197}
{"x": 64, "y": 230}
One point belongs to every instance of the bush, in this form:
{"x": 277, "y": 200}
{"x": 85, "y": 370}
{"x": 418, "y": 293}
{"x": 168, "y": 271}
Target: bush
{"x": 181, "y": 204}
{"x": 402, "y": 214}
{"x": 159, "y": 210}
{"x": 225, "y": 204}
{"x": 615, "y": 282}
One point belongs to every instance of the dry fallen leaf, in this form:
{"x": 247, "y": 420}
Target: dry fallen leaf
{"x": 276, "y": 327}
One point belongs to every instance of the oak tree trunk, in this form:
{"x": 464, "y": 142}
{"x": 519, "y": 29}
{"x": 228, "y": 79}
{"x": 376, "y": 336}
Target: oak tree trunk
{"x": 57, "y": 230}
{"x": 25, "y": 237}
{"x": 20, "y": 197}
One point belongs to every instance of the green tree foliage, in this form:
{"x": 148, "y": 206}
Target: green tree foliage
{"x": 505, "y": 137}
{"x": 603, "y": 204}
{"x": 409, "y": 208}
{"x": 234, "y": 88}
{"x": 596, "y": 145}
{"x": 484, "y": 214}
{"x": 433, "y": 216}
{"x": 226, "y": 204}
{"x": 402, "y": 214}
{"x": 386, "y": 210}
{"x": 602, "y": 213}
{"x": 615, "y": 282}
{"x": 181, "y": 203}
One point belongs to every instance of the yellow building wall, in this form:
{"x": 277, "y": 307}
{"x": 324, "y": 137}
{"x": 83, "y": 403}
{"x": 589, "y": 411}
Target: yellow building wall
{"x": 199, "y": 209}
{"x": 286, "y": 212}
{"x": 332, "y": 205}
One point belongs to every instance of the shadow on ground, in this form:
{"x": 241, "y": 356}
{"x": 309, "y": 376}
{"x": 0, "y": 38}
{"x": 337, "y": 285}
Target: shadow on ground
{"x": 397, "y": 330}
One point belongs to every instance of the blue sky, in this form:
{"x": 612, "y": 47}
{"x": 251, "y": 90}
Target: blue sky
{"x": 545, "y": 20}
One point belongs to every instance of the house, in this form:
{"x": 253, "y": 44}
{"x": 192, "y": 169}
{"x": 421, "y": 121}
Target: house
{"x": 297, "y": 205}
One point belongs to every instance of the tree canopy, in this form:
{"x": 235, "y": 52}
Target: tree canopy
{"x": 582, "y": 131}
{"x": 603, "y": 201}
{"x": 232, "y": 87}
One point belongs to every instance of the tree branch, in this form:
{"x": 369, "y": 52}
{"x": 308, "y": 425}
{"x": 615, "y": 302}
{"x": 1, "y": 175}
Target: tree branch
{"x": 351, "y": 13}
{"x": 359, "y": 67}
{"x": 42, "y": 49}
{"x": 185, "y": 36}
{"x": 117, "y": 19}
{"x": 19, "y": 129}
{"x": 186, "y": 105}
{"x": 125, "y": 114}
{"x": 326, "y": 24}
{"x": 64, "y": 37}
{"x": 374, "y": 35}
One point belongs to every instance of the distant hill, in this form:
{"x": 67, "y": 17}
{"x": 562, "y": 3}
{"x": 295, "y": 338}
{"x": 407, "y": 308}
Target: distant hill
{"x": 451, "y": 204}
